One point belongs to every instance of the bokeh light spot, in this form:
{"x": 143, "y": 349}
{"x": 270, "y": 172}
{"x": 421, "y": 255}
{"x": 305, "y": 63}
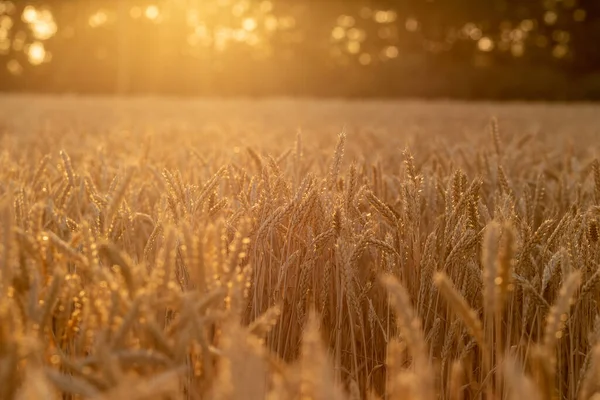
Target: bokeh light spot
{"x": 560, "y": 50}
{"x": 485, "y": 44}
{"x": 346, "y": 21}
{"x": 338, "y": 33}
{"x": 391, "y": 52}
{"x": 249, "y": 24}
{"x": 36, "y": 53}
{"x": 98, "y": 19}
{"x": 29, "y": 14}
{"x": 550, "y": 17}
{"x": 527, "y": 25}
{"x": 14, "y": 67}
{"x": 411, "y": 25}
{"x": 152, "y": 12}
{"x": 353, "y": 47}
{"x": 365, "y": 59}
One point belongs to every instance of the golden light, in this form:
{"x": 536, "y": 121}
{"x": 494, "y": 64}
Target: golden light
{"x": 152, "y": 12}
{"x": 41, "y": 22}
{"x": 240, "y": 35}
{"x": 192, "y": 17}
{"x": 385, "y": 32}
{"x": 517, "y": 35}
{"x": 517, "y": 49}
{"x": 383, "y": 17}
{"x": 6, "y": 22}
{"x": 476, "y": 34}
{"x": 98, "y": 19}
{"x": 135, "y": 12}
{"x": 252, "y": 39}
{"x": 222, "y": 36}
{"x": 353, "y": 47}
{"x": 485, "y": 44}
{"x": 266, "y": 7}
{"x": 249, "y": 24}
{"x": 560, "y": 51}
{"x": 43, "y": 30}
{"x": 338, "y": 33}
{"x": 240, "y": 8}
{"x": 391, "y": 52}
{"x": 14, "y": 67}
{"x": 346, "y": 21}
{"x": 271, "y": 23}
{"x": 287, "y": 22}
{"x": 561, "y": 36}
{"x": 411, "y": 25}
{"x": 193, "y": 40}
{"x": 365, "y": 59}
{"x": 550, "y": 17}
{"x": 4, "y": 47}
{"x": 36, "y": 53}
{"x": 391, "y": 16}
{"x": 30, "y": 14}
{"x": 201, "y": 31}
{"x": 356, "y": 34}
{"x": 68, "y": 32}
{"x": 19, "y": 41}
{"x": 7, "y": 7}
{"x": 527, "y": 25}
{"x": 366, "y": 13}
{"x": 3, "y": 34}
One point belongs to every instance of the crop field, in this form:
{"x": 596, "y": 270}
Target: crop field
{"x": 296, "y": 249}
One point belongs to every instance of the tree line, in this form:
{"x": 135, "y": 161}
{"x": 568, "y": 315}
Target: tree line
{"x": 458, "y": 48}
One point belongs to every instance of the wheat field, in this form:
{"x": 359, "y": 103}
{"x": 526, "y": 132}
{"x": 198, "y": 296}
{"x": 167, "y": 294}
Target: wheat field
{"x": 295, "y": 249}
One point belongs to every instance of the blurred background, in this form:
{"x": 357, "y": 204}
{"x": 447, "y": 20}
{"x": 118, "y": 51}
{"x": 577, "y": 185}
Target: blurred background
{"x": 466, "y": 49}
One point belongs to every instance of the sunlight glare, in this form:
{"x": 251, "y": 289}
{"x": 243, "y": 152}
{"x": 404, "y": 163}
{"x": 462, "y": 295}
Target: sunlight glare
{"x": 36, "y": 53}
{"x": 249, "y": 24}
{"x": 43, "y": 30}
{"x": 29, "y": 14}
{"x": 152, "y": 12}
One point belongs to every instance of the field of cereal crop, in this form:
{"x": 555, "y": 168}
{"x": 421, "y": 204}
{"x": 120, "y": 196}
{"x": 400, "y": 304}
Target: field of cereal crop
{"x": 297, "y": 249}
